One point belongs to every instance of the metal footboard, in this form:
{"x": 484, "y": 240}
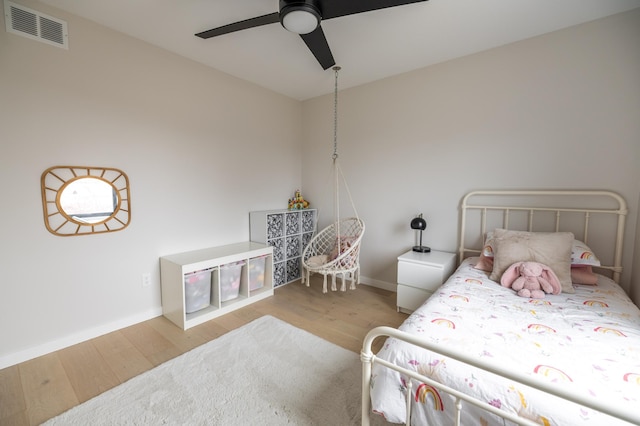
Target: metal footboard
{"x": 368, "y": 358}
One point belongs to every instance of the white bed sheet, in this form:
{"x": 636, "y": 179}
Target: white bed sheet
{"x": 587, "y": 342}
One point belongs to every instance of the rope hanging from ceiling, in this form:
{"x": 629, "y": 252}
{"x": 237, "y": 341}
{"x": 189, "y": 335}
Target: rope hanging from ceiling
{"x": 336, "y": 249}
{"x": 337, "y": 171}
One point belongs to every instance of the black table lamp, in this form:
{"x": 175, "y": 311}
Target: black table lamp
{"x": 420, "y": 224}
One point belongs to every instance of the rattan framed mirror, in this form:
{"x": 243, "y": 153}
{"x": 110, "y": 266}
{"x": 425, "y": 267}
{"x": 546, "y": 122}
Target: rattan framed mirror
{"x": 80, "y": 200}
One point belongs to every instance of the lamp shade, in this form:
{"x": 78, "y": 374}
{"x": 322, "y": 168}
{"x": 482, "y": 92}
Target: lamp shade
{"x": 418, "y": 223}
{"x": 300, "y": 17}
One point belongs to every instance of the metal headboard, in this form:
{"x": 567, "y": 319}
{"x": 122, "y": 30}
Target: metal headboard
{"x": 529, "y": 205}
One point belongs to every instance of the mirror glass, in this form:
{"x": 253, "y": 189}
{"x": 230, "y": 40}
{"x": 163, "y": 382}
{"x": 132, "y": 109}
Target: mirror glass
{"x": 80, "y": 200}
{"x": 88, "y": 200}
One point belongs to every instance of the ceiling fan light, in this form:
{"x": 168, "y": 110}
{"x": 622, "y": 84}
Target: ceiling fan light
{"x": 301, "y": 21}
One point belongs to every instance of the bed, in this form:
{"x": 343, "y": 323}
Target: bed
{"x": 477, "y": 353}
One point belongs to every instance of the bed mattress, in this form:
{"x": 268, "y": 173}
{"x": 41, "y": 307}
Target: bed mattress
{"x": 587, "y": 342}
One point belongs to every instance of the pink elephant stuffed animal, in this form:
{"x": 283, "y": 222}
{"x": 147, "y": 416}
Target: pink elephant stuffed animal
{"x": 531, "y": 279}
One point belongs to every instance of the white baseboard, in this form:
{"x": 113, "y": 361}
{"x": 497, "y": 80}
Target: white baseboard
{"x": 65, "y": 342}
{"x": 379, "y": 284}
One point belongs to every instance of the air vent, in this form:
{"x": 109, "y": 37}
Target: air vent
{"x": 35, "y": 25}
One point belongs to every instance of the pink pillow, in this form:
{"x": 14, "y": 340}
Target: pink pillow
{"x": 583, "y": 275}
{"x": 484, "y": 263}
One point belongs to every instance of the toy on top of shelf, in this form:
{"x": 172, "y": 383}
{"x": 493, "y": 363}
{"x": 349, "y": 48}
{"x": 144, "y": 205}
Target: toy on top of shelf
{"x": 298, "y": 202}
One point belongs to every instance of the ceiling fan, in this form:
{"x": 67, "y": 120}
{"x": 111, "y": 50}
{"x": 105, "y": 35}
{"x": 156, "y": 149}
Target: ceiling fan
{"x": 303, "y": 17}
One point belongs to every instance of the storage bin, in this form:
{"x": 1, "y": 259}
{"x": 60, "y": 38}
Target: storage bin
{"x": 230, "y": 275}
{"x": 256, "y": 272}
{"x": 197, "y": 290}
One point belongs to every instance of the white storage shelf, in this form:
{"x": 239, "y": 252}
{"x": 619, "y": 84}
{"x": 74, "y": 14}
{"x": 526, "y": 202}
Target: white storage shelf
{"x": 288, "y": 232}
{"x": 174, "y": 268}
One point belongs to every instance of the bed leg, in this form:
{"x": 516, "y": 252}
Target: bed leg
{"x": 458, "y": 411}
{"x": 408, "y": 401}
{"x": 365, "y": 357}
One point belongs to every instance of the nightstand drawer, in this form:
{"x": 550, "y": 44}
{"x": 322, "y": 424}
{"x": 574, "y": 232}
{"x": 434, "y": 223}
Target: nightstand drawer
{"x": 410, "y": 298}
{"x": 419, "y": 276}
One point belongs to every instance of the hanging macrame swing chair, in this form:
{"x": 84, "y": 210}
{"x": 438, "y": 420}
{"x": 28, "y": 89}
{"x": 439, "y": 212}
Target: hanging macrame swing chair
{"x": 336, "y": 249}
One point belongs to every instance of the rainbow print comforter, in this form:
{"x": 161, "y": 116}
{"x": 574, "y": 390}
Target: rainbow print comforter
{"x": 587, "y": 342}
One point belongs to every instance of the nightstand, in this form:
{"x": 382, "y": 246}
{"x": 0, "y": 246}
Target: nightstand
{"x": 419, "y": 275}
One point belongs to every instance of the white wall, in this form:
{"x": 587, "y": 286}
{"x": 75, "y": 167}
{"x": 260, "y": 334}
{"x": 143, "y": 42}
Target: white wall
{"x": 557, "y": 111}
{"x": 201, "y": 149}
{"x": 635, "y": 273}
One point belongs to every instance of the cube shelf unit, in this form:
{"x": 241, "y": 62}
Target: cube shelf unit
{"x": 288, "y": 232}
{"x": 174, "y": 268}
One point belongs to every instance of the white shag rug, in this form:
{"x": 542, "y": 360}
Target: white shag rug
{"x": 264, "y": 373}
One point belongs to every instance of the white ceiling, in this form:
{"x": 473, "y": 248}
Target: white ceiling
{"x": 368, "y": 46}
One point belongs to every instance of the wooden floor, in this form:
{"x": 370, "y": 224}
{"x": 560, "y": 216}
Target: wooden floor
{"x": 36, "y": 390}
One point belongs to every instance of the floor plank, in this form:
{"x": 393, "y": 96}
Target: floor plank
{"x": 11, "y": 395}
{"x": 47, "y": 388}
{"x": 152, "y": 344}
{"x": 124, "y": 359}
{"x": 88, "y": 372}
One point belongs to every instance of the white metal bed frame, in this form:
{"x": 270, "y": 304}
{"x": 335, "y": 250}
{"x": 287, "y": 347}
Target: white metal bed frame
{"x": 619, "y": 211}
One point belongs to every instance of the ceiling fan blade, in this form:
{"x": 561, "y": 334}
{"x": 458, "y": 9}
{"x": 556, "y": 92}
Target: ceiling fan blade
{"x": 317, "y": 43}
{"x": 337, "y": 8}
{"x": 241, "y": 25}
